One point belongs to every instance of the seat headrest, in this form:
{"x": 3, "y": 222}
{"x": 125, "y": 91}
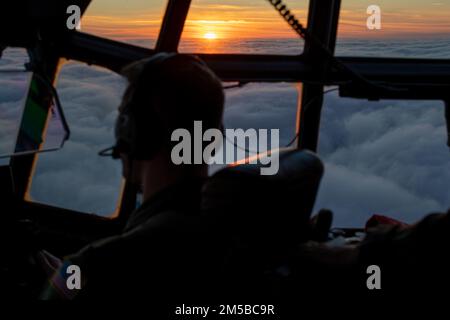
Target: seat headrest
{"x": 270, "y": 205}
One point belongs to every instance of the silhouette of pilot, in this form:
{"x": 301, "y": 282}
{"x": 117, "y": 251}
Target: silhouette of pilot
{"x": 163, "y": 251}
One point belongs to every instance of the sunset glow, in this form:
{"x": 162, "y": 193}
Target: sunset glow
{"x": 250, "y": 19}
{"x": 210, "y": 36}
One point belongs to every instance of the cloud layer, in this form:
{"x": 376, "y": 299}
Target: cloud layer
{"x": 387, "y": 157}
{"x": 13, "y": 87}
{"x": 76, "y": 177}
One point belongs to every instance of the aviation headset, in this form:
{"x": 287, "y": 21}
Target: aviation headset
{"x": 132, "y": 138}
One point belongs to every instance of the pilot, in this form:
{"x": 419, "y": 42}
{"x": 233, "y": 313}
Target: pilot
{"x": 165, "y": 251}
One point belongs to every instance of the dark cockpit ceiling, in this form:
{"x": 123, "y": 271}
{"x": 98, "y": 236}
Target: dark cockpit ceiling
{"x": 22, "y": 20}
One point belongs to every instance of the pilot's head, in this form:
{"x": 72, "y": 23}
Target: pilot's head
{"x": 166, "y": 92}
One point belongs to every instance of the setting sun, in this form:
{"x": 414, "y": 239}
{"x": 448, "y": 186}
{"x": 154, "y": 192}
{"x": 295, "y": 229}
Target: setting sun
{"x": 210, "y": 35}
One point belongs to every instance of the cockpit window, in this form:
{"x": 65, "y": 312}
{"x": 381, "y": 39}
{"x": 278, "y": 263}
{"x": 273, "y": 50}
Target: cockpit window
{"x": 232, "y": 26}
{"x": 75, "y": 177}
{"x": 136, "y": 21}
{"x": 264, "y": 108}
{"x": 400, "y": 29}
{"x": 387, "y": 157}
{"x": 14, "y": 82}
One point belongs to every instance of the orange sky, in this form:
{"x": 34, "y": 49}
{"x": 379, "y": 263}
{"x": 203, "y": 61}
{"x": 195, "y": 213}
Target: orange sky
{"x": 232, "y": 19}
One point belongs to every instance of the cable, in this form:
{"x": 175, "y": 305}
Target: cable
{"x": 57, "y": 103}
{"x": 306, "y": 107}
{"x": 296, "y": 135}
{"x": 233, "y": 86}
{"x": 307, "y": 36}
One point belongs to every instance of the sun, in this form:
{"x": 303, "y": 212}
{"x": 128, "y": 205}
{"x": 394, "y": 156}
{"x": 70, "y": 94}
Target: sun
{"x": 210, "y": 36}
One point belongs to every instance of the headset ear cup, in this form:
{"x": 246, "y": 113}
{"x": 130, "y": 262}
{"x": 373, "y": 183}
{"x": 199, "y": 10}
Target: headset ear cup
{"x": 148, "y": 137}
{"x": 138, "y": 137}
{"x": 125, "y": 131}
{"x": 132, "y": 134}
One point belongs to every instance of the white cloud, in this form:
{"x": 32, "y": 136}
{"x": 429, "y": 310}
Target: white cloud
{"x": 13, "y": 86}
{"x": 387, "y": 157}
{"x": 401, "y": 144}
{"x": 380, "y": 157}
{"x": 76, "y": 177}
{"x": 356, "y": 195}
{"x": 427, "y": 46}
